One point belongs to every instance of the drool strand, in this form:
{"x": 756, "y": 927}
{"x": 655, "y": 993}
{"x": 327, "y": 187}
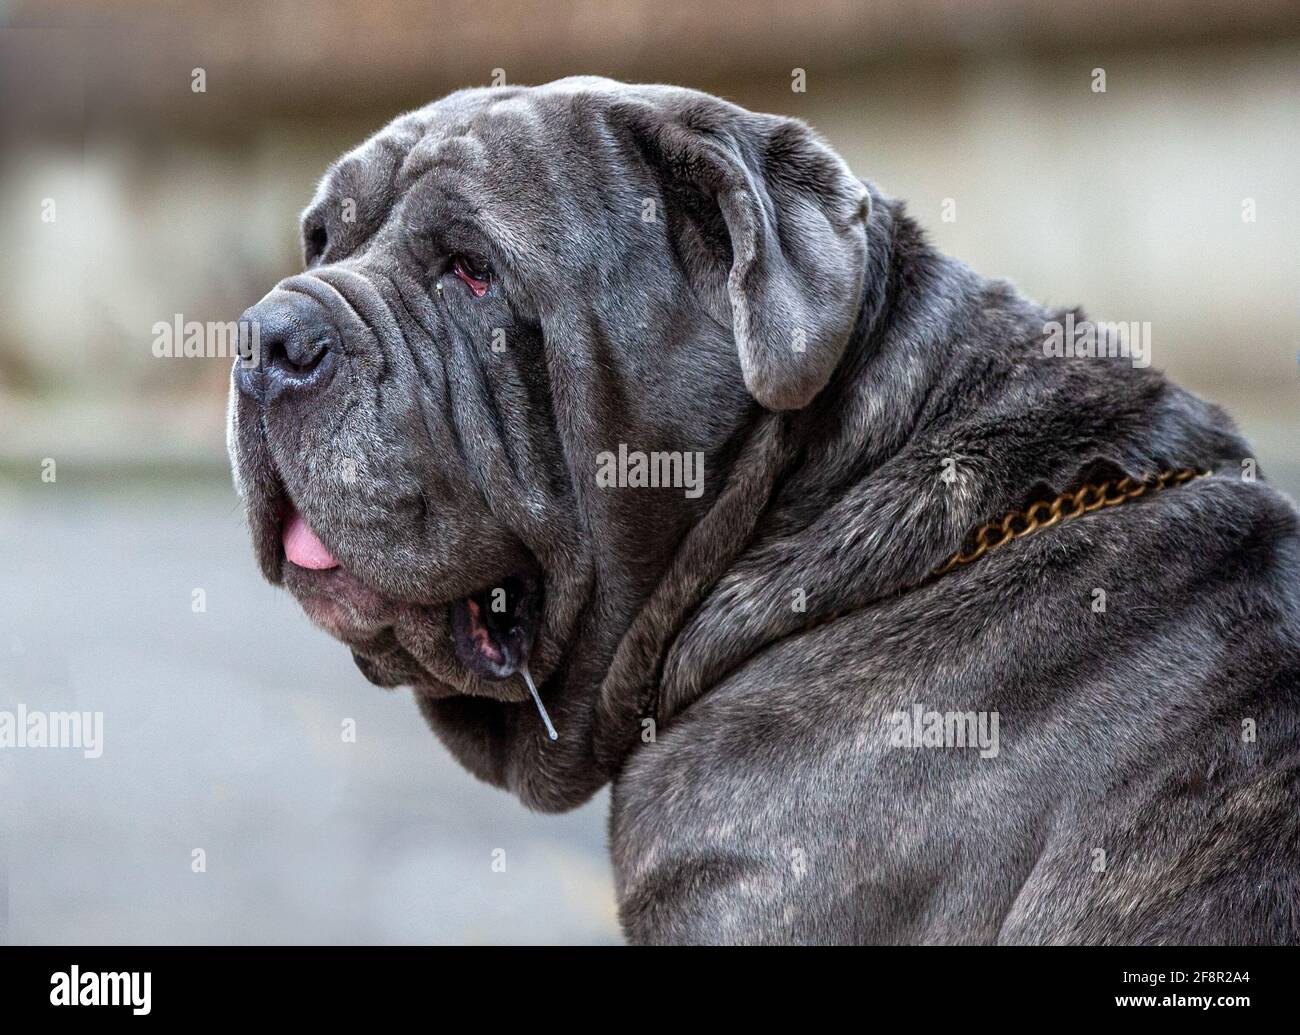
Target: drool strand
{"x": 541, "y": 708}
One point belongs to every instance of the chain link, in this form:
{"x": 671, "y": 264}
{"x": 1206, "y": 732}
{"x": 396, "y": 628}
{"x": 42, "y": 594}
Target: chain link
{"x": 1046, "y": 513}
{"x": 1043, "y": 514}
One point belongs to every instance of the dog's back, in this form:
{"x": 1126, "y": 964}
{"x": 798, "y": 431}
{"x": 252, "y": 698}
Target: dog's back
{"x": 1124, "y": 688}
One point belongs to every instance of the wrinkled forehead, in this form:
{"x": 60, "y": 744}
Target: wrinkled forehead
{"x": 451, "y": 134}
{"x": 491, "y": 151}
{"x": 481, "y": 131}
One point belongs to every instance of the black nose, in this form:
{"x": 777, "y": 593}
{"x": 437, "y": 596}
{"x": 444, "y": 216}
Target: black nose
{"x": 292, "y": 345}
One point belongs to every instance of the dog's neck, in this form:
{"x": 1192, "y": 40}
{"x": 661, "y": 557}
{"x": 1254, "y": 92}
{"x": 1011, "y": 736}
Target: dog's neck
{"x": 943, "y": 414}
{"x": 792, "y": 467}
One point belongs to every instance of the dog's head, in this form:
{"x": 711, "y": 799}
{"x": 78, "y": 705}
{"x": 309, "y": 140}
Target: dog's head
{"x": 520, "y": 307}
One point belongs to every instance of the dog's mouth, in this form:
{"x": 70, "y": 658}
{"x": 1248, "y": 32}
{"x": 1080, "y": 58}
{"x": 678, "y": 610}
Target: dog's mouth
{"x": 493, "y": 629}
{"x": 302, "y": 546}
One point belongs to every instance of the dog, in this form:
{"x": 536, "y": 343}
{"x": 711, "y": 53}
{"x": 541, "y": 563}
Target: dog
{"x": 644, "y": 400}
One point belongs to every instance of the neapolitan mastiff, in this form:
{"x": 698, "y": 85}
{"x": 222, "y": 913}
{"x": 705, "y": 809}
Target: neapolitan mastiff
{"x": 815, "y": 733}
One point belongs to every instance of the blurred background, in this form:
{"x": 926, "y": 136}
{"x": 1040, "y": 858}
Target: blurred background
{"x": 1138, "y": 157}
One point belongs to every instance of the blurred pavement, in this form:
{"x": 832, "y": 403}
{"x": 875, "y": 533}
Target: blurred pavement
{"x": 223, "y": 732}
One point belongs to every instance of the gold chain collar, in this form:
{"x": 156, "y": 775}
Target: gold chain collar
{"x": 1040, "y": 515}
{"x": 1046, "y": 513}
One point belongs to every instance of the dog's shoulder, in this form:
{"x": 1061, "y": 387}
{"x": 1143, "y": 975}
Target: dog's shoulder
{"x": 722, "y": 823}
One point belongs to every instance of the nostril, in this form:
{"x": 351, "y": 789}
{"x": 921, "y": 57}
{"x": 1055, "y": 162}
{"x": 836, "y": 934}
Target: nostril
{"x": 289, "y": 358}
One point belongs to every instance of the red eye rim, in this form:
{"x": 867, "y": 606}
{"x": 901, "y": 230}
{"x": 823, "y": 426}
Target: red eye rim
{"x": 476, "y": 280}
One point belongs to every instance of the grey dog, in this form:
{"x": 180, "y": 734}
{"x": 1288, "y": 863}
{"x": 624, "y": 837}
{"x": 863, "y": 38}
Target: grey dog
{"x": 1091, "y": 734}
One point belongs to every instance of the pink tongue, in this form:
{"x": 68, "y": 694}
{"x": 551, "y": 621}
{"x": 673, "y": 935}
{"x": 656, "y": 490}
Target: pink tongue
{"x": 303, "y": 547}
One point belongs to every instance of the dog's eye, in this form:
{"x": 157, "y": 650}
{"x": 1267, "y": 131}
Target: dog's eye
{"x": 317, "y": 240}
{"x": 476, "y": 275}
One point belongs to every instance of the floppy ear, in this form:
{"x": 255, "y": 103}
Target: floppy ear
{"x": 793, "y": 223}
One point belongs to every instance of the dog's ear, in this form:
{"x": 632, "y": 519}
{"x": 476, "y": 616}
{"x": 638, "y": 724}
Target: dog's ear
{"x": 771, "y": 226}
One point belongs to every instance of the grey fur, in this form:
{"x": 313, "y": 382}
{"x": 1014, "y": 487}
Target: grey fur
{"x": 770, "y": 805}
